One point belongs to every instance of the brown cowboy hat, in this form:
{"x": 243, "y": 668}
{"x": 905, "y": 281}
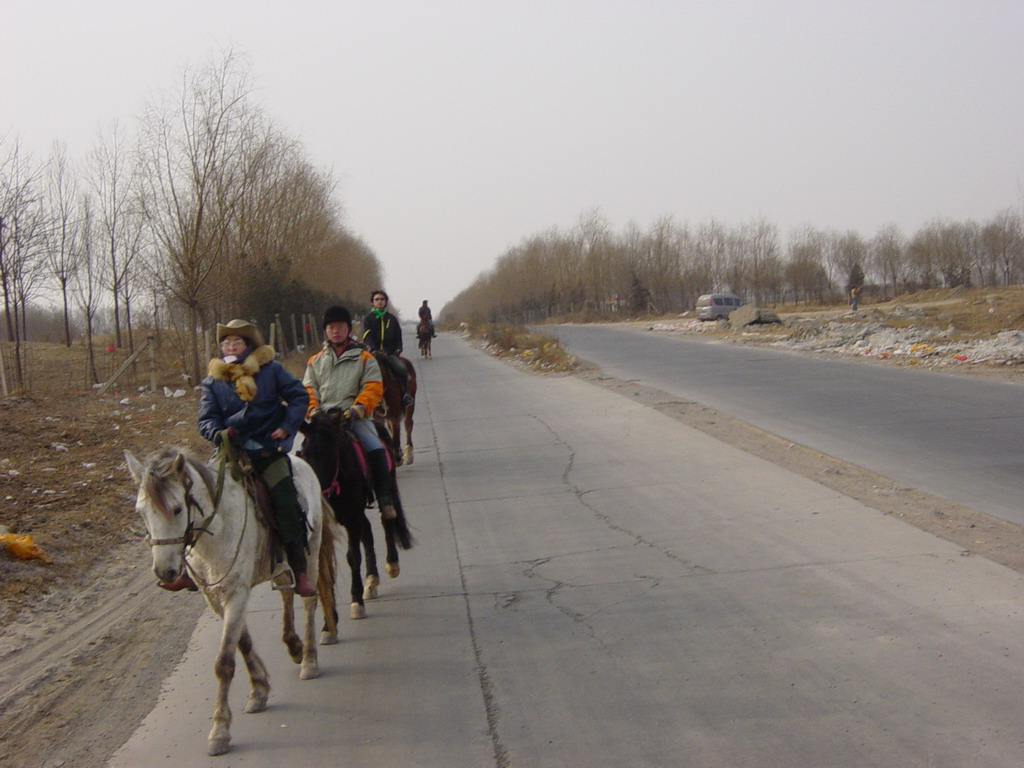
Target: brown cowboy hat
{"x": 242, "y": 328}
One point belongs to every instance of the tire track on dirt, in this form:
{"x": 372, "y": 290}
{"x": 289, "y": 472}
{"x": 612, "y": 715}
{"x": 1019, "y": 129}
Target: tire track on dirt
{"x": 77, "y": 693}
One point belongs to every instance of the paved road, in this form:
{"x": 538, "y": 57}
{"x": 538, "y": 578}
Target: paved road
{"x": 955, "y": 437}
{"x": 579, "y": 597}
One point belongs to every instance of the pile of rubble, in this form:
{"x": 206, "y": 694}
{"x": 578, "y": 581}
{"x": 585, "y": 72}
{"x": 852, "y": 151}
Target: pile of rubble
{"x": 874, "y": 338}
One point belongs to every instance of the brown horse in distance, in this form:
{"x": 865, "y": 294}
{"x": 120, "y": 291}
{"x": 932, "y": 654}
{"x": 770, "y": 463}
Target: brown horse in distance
{"x": 424, "y": 334}
{"x": 394, "y": 412}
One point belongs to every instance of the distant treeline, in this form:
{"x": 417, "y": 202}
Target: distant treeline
{"x": 591, "y": 270}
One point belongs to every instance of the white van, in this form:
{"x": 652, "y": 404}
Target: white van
{"x": 713, "y": 306}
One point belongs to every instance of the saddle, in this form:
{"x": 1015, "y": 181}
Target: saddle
{"x": 352, "y": 463}
{"x": 237, "y": 462}
{"x": 259, "y": 494}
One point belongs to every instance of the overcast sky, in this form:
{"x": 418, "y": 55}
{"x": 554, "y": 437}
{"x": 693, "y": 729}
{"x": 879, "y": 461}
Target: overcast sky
{"x": 456, "y": 129}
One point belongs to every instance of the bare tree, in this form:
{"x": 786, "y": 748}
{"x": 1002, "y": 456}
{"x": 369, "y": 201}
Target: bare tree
{"x": 21, "y": 242}
{"x": 764, "y": 266}
{"x": 110, "y": 178}
{"x": 888, "y": 256}
{"x": 62, "y": 204}
{"x": 192, "y": 160}
{"x": 87, "y": 283}
{"x": 1002, "y": 246}
{"x": 709, "y": 249}
{"x": 806, "y": 274}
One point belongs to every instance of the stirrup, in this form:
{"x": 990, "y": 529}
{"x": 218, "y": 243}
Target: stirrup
{"x": 283, "y": 579}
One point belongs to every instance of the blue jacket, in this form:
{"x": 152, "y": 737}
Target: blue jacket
{"x": 274, "y": 398}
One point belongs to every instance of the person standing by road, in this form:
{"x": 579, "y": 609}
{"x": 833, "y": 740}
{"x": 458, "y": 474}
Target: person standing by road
{"x": 854, "y": 297}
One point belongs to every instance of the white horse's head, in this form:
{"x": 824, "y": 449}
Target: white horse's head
{"x": 163, "y": 503}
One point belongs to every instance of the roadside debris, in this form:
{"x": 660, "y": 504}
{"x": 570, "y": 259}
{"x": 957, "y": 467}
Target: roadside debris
{"x": 874, "y": 338}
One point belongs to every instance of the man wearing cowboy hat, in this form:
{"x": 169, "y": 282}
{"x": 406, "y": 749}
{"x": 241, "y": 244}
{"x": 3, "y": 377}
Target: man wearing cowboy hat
{"x": 259, "y": 405}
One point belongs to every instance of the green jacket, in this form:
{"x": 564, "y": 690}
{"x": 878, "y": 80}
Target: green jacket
{"x": 338, "y": 382}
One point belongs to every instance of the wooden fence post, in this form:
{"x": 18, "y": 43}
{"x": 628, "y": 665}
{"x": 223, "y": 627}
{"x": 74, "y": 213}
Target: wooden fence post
{"x": 3, "y": 371}
{"x": 125, "y": 365}
{"x": 152, "y": 363}
{"x": 280, "y": 334}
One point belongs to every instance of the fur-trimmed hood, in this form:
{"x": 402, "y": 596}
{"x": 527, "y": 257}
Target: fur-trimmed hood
{"x": 241, "y": 374}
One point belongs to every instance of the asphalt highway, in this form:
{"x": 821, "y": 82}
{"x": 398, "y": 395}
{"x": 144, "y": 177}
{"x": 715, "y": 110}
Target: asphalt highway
{"x": 955, "y": 437}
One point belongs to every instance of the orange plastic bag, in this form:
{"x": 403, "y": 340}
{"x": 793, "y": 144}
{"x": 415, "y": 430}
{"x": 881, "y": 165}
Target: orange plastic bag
{"x": 23, "y": 547}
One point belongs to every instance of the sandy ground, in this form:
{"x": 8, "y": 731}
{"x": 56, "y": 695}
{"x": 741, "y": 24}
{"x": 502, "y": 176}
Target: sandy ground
{"x": 88, "y": 639}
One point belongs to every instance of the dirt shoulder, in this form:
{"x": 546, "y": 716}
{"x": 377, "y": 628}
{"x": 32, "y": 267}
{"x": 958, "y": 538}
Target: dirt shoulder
{"x": 86, "y": 638}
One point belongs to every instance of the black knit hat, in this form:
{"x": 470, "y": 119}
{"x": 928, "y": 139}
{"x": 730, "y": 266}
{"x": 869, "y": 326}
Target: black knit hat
{"x": 337, "y": 314}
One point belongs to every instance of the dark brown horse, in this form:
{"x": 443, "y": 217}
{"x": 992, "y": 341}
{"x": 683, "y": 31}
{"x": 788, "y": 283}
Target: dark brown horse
{"x": 424, "y": 334}
{"x": 394, "y": 412}
{"x": 330, "y": 447}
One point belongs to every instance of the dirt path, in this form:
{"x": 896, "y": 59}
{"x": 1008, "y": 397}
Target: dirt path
{"x": 79, "y": 674}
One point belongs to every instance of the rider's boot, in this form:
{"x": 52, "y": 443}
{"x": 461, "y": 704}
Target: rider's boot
{"x": 182, "y": 582}
{"x": 291, "y": 520}
{"x": 295, "y": 552}
{"x": 402, "y": 374}
{"x": 378, "y": 461}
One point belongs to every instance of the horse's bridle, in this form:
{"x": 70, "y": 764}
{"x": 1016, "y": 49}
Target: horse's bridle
{"x": 192, "y": 532}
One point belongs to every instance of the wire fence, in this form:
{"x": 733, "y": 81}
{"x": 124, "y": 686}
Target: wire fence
{"x": 50, "y": 368}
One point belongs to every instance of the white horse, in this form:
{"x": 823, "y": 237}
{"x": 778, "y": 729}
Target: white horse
{"x": 204, "y": 520}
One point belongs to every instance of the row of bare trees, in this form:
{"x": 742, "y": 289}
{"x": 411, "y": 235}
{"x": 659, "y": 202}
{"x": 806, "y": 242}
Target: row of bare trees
{"x": 591, "y": 269}
{"x": 203, "y": 210}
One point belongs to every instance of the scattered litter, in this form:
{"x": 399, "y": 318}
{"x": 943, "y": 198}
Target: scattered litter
{"x": 22, "y": 547}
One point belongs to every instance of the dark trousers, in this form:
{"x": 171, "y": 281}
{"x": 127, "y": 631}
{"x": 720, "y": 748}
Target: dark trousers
{"x": 276, "y": 471}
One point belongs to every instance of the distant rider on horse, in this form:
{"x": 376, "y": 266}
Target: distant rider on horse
{"x": 426, "y": 316}
{"x": 381, "y": 332}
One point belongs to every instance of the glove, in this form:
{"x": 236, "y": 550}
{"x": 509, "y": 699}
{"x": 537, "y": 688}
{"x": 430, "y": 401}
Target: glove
{"x": 356, "y": 412}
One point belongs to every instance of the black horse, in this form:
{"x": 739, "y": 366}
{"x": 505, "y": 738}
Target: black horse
{"x": 333, "y": 450}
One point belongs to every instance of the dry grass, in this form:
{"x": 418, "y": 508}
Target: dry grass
{"x": 63, "y": 479}
{"x": 531, "y": 349}
{"x": 973, "y": 312}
